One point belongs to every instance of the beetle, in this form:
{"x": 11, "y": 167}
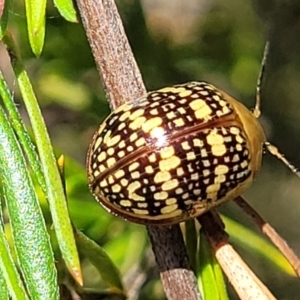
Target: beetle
{"x": 176, "y": 153}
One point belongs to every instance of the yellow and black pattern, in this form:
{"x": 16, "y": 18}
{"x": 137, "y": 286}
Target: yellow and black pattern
{"x": 169, "y": 156}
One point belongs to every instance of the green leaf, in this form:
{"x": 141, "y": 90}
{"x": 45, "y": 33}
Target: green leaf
{"x": 22, "y": 133}
{"x": 4, "y": 17}
{"x": 9, "y": 273}
{"x": 251, "y": 240}
{"x": 55, "y": 190}
{"x": 35, "y": 14}
{"x": 66, "y": 9}
{"x": 9, "y": 276}
{"x": 220, "y": 281}
{"x": 212, "y": 280}
{"x": 3, "y": 286}
{"x": 98, "y": 257}
{"x": 29, "y": 232}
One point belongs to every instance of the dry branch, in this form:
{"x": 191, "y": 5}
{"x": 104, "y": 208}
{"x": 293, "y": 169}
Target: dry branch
{"x": 244, "y": 281}
{"x": 271, "y": 233}
{"x": 122, "y": 81}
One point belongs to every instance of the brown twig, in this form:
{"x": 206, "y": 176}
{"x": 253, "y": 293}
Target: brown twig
{"x": 271, "y": 233}
{"x": 244, "y": 281}
{"x": 117, "y": 67}
{"x": 122, "y": 81}
{"x": 175, "y": 269}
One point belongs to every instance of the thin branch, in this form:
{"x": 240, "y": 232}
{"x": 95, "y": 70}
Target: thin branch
{"x": 117, "y": 67}
{"x": 175, "y": 269}
{"x": 122, "y": 81}
{"x": 271, "y": 233}
{"x": 244, "y": 281}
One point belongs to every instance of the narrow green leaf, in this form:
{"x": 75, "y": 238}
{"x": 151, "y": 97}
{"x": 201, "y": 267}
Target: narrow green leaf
{"x": 35, "y": 14}
{"x": 221, "y": 285}
{"x": 4, "y": 17}
{"x": 3, "y": 286}
{"x": 29, "y": 232}
{"x": 98, "y": 257}
{"x": 251, "y": 240}
{"x": 8, "y": 263}
{"x": 9, "y": 273}
{"x": 22, "y": 133}
{"x": 191, "y": 239}
{"x": 66, "y": 9}
{"x": 206, "y": 270}
{"x": 55, "y": 191}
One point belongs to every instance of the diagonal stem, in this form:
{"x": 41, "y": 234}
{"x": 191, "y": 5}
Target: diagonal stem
{"x": 244, "y": 281}
{"x": 271, "y": 233}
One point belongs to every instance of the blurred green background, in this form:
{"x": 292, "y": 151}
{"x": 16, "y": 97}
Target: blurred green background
{"x": 175, "y": 41}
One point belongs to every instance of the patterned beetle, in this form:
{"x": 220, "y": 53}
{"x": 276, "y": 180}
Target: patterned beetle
{"x": 174, "y": 154}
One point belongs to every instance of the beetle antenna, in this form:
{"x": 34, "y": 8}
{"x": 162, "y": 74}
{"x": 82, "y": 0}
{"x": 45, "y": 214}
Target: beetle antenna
{"x": 256, "y": 110}
{"x": 274, "y": 151}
